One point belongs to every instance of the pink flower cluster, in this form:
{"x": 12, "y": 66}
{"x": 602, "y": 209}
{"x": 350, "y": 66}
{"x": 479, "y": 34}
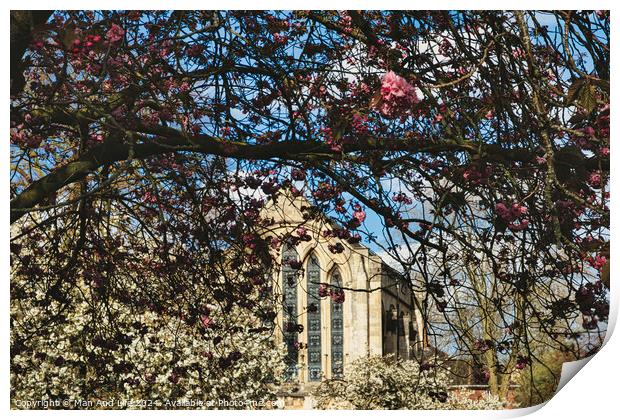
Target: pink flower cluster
{"x": 336, "y": 294}
{"x": 323, "y": 290}
{"x": 483, "y": 345}
{"x": 359, "y": 214}
{"x": 595, "y": 179}
{"x": 360, "y": 123}
{"x": 597, "y": 262}
{"x": 336, "y": 248}
{"x": 334, "y": 144}
{"x": 115, "y": 33}
{"x": 397, "y": 96}
{"x": 149, "y": 198}
{"x": 298, "y": 175}
{"x": 522, "y": 362}
{"x": 206, "y": 321}
{"x": 279, "y": 39}
{"x": 510, "y": 214}
{"x": 294, "y": 264}
{"x": 358, "y": 218}
{"x": 195, "y": 50}
{"x": 402, "y": 198}
{"x": 85, "y": 45}
{"x": 477, "y": 174}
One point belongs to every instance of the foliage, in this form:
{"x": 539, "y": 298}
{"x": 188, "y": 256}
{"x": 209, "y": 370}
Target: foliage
{"x": 144, "y": 145}
{"x": 376, "y": 382}
{"x": 539, "y": 382}
{"x": 101, "y": 342}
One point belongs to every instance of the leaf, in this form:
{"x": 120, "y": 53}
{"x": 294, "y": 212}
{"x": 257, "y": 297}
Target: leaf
{"x": 587, "y": 97}
{"x": 574, "y": 90}
{"x": 582, "y": 92}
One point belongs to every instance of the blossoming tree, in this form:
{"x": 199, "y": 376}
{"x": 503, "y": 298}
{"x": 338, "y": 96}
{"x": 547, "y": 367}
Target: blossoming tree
{"x": 144, "y": 145}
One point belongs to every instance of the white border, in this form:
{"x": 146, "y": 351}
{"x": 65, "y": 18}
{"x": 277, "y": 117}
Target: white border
{"x": 593, "y": 393}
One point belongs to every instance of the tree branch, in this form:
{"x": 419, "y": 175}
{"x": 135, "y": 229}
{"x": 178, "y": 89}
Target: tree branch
{"x": 24, "y": 25}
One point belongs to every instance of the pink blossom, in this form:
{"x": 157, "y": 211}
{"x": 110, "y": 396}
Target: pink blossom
{"x": 588, "y": 131}
{"x": 402, "y": 198}
{"x": 280, "y": 39}
{"x": 510, "y": 214}
{"x": 595, "y": 179}
{"x": 275, "y": 243}
{"x": 298, "y": 175}
{"x": 195, "y": 50}
{"x": 522, "y": 362}
{"x": 482, "y": 345}
{"x": 394, "y": 86}
{"x": 337, "y": 295}
{"x": 206, "y": 321}
{"x": 517, "y": 210}
{"x": 184, "y": 87}
{"x": 149, "y": 198}
{"x": 363, "y": 87}
{"x": 96, "y": 138}
{"x": 444, "y": 47}
{"x": 336, "y": 248}
{"x": 359, "y": 123}
{"x": 294, "y": 264}
{"x": 477, "y": 174}
{"x": 502, "y": 210}
{"x": 397, "y": 95}
{"x": 360, "y": 215}
{"x": 115, "y": 33}
{"x": 521, "y": 226}
{"x": 598, "y": 262}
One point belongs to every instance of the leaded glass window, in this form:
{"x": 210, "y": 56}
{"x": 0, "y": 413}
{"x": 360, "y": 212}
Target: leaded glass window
{"x": 337, "y": 333}
{"x": 314, "y": 320}
{"x": 289, "y": 289}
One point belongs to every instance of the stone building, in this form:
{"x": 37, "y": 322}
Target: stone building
{"x": 379, "y": 314}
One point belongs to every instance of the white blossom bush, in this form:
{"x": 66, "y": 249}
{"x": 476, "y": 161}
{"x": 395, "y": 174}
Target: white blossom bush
{"x": 374, "y": 383}
{"x": 90, "y": 349}
{"x": 467, "y": 400}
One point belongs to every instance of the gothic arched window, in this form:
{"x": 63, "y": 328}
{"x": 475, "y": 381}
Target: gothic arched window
{"x": 314, "y": 319}
{"x": 337, "y": 330}
{"x": 290, "y": 314}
